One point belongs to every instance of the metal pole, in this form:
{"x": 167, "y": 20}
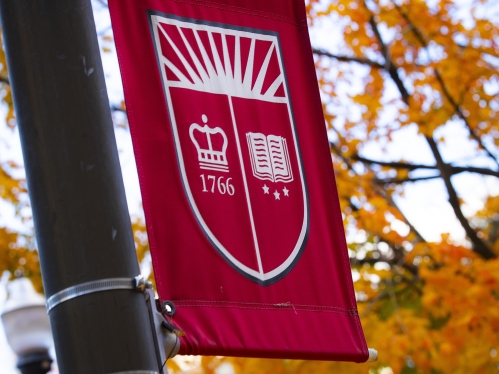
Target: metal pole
{"x": 81, "y": 218}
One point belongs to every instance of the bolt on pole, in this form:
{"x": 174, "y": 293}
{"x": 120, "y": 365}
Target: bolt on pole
{"x": 75, "y": 186}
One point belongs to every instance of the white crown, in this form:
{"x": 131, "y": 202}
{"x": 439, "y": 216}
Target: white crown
{"x": 209, "y": 158}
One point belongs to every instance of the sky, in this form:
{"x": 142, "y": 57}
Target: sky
{"x": 424, "y": 203}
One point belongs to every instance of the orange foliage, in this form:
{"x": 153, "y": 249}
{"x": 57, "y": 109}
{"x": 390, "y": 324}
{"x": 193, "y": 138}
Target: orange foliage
{"x": 426, "y": 307}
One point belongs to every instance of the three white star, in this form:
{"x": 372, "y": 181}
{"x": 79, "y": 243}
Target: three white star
{"x": 276, "y": 194}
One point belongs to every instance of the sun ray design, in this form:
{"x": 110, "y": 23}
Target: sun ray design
{"x": 186, "y": 64}
{"x": 274, "y": 86}
{"x": 237, "y": 59}
{"x": 216, "y": 56}
{"x": 228, "y": 68}
{"x": 248, "y": 74}
{"x": 207, "y": 62}
{"x": 225, "y": 69}
{"x": 175, "y": 70}
{"x": 261, "y": 75}
{"x": 195, "y": 59}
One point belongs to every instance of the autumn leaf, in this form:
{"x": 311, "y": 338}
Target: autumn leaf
{"x": 427, "y": 307}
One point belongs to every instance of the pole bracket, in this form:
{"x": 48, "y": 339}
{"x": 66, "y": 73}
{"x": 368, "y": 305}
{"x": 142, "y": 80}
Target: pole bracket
{"x": 86, "y": 288}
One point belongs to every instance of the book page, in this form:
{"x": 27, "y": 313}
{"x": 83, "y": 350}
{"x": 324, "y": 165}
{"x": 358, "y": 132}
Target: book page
{"x": 260, "y": 157}
{"x": 279, "y": 157}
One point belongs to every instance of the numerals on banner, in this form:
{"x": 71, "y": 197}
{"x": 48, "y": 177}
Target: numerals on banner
{"x": 223, "y": 187}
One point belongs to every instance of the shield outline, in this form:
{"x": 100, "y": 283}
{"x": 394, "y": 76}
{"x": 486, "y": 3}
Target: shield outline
{"x": 278, "y": 273}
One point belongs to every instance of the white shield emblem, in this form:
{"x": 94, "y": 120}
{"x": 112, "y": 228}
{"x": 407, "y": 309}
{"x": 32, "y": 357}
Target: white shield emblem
{"x": 235, "y": 141}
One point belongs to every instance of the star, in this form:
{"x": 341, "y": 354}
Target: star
{"x": 286, "y": 191}
{"x": 277, "y": 194}
{"x": 265, "y": 189}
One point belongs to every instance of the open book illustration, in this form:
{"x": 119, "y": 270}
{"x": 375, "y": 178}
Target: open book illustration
{"x": 269, "y": 157}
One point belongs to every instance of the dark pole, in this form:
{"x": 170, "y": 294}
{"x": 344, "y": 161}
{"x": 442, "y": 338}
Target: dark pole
{"x": 81, "y": 218}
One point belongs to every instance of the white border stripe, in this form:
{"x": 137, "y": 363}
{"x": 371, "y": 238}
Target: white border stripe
{"x": 213, "y": 87}
{"x": 248, "y": 201}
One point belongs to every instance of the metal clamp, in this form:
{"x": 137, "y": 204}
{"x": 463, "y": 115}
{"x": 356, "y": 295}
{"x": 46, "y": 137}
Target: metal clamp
{"x": 69, "y": 293}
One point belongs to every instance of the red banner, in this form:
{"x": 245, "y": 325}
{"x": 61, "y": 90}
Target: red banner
{"x": 241, "y": 206}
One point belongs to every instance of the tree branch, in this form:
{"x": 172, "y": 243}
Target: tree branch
{"x": 472, "y": 169}
{"x": 404, "y": 165}
{"x": 391, "y": 202}
{"x": 404, "y": 180}
{"x": 479, "y": 246}
{"x": 446, "y": 172}
{"x": 390, "y": 67}
{"x": 360, "y": 60}
{"x": 378, "y": 190}
{"x": 396, "y": 165}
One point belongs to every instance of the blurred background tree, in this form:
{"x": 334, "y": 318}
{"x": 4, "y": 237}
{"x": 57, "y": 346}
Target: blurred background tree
{"x": 410, "y": 94}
